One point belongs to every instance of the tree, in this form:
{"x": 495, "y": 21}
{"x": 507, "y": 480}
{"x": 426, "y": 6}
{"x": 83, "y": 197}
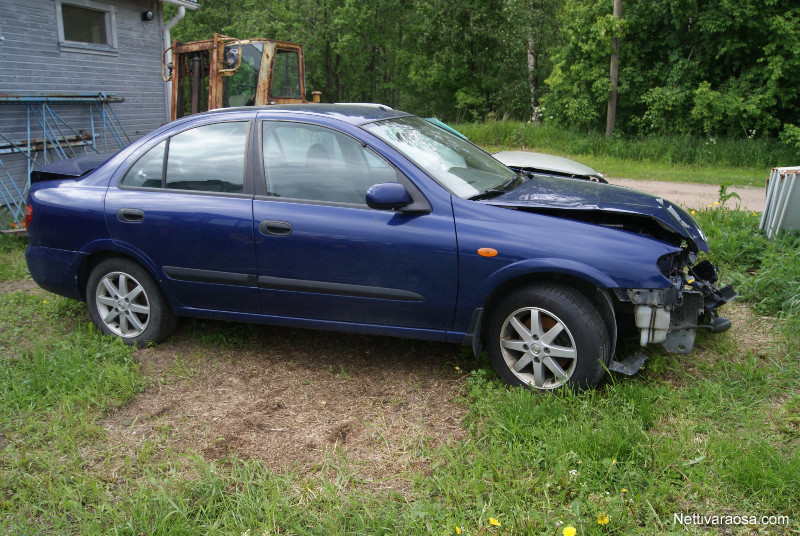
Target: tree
{"x": 699, "y": 67}
{"x": 534, "y": 24}
{"x": 611, "y": 115}
{"x": 578, "y": 83}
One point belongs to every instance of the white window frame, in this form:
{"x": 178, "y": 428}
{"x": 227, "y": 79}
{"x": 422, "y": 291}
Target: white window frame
{"x": 89, "y": 48}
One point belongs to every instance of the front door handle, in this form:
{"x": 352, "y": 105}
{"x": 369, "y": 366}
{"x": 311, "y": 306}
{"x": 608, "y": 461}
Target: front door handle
{"x": 130, "y": 215}
{"x": 275, "y": 227}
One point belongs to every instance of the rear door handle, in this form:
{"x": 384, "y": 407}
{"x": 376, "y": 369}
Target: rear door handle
{"x": 275, "y": 227}
{"x": 130, "y": 215}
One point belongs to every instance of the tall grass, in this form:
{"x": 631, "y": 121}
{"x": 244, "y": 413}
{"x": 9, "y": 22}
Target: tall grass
{"x": 766, "y": 272}
{"x": 668, "y": 150}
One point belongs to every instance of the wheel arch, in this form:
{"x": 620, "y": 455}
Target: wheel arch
{"x": 100, "y": 252}
{"x": 601, "y": 298}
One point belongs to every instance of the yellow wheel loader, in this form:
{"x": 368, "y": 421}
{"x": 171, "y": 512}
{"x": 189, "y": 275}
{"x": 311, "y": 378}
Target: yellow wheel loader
{"x": 225, "y": 71}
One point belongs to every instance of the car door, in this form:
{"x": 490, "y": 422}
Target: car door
{"x": 322, "y": 254}
{"x": 185, "y": 206}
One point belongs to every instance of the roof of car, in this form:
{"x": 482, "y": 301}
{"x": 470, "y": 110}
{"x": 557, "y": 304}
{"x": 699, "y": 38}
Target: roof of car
{"x": 354, "y": 113}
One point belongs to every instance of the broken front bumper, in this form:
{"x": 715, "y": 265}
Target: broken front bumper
{"x": 672, "y": 316}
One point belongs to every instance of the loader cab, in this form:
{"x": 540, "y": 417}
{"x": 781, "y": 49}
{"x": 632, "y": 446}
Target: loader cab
{"x": 226, "y": 72}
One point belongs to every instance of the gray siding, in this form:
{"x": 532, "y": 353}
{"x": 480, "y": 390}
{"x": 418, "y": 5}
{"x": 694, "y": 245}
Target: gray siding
{"x": 32, "y": 62}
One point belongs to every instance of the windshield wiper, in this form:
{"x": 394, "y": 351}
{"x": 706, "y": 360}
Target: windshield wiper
{"x": 518, "y": 179}
{"x": 487, "y": 194}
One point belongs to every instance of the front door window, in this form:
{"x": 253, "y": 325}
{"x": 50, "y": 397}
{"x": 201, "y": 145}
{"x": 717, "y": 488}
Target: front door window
{"x": 313, "y": 163}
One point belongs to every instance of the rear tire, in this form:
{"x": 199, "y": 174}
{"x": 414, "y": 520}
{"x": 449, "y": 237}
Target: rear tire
{"x": 124, "y": 301}
{"x": 548, "y": 336}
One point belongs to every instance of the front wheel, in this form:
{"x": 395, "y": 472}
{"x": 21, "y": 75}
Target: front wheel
{"x": 547, "y": 336}
{"x": 124, "y": 301}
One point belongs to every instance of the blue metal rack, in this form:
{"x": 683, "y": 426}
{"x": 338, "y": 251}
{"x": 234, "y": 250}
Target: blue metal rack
{"x": 58, "y": 139}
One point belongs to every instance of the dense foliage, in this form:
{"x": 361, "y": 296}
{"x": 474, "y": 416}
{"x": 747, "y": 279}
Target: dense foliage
{"x": 720, "y": 67}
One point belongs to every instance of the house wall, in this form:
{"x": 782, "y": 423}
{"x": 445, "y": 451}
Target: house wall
{"x": 33, "y": 62}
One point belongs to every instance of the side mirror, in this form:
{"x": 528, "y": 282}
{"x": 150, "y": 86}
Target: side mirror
{"x": 388, "y": 196}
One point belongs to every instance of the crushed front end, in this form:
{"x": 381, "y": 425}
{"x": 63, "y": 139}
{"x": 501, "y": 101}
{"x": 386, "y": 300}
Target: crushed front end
{"x": 670, "y": 316}
{"x": 673, "y": 315}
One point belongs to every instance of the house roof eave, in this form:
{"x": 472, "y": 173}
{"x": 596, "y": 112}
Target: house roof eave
{"x": 189, "y": 4}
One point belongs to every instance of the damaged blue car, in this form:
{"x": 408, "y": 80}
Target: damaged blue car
{"x": 365, "y": 219}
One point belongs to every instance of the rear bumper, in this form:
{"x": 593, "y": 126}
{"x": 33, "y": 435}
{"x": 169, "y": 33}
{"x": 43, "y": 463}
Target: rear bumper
{"x": 56, "y": 270}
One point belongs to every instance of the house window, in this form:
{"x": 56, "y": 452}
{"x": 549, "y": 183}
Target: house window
{"x": 86, "y": 26}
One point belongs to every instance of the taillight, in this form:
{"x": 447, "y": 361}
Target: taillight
{"x": 28, "y": 212}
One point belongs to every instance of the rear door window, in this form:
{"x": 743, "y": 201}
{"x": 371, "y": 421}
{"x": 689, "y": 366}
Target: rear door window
{"x": 148, "y": 171}
{"x": 209, "y": 158}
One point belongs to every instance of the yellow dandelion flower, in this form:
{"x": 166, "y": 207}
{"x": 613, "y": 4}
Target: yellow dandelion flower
{"x": 458, "y": 529}
{"x": 603, "y": 519}
{"x": 494, "y": 522}
{"x": 709, "y": 206}
{"x": 624, "y": 490}
{"x": 693, "y": 213}
{"x": 569, "y": 531}
{"x": 716, "y": 203}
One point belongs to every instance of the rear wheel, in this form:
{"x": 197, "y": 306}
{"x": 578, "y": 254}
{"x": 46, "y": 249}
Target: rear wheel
{"x": 124, "y": 301}
{"x": 547, "y": 336}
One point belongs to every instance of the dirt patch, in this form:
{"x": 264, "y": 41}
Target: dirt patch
{"x": 297, "y": 399}
{"x": 292, "y": 398}
{"x": 698, "y": 196}
{"x": 20, "y": 285}
{"x": 753, "y": 332}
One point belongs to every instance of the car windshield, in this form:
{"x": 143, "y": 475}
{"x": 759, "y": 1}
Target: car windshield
{"x": 459, "y": 166}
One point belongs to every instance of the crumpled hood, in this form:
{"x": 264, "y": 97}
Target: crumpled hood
{"x": 564, "y": 196}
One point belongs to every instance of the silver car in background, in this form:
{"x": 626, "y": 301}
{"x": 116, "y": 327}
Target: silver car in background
{"x": 547, "y": 164}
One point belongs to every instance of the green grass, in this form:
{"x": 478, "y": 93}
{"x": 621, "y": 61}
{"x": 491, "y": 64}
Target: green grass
{"x": 715, "y": 432}
{"x": 12, "y": 250}
{"x": 623, "y": 168}
{"x": 675, "y": 158}
{"x": 766, "y": 273}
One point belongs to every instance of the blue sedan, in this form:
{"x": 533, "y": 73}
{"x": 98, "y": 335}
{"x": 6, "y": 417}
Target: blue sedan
{"x": 366, "y": 219}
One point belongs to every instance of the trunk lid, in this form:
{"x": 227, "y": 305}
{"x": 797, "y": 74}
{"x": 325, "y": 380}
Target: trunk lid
{"x": 69, "y": 169}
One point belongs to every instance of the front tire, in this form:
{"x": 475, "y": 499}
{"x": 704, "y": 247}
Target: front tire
{"x": 548, "y": 336}
{"x": 124, "y": 301}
